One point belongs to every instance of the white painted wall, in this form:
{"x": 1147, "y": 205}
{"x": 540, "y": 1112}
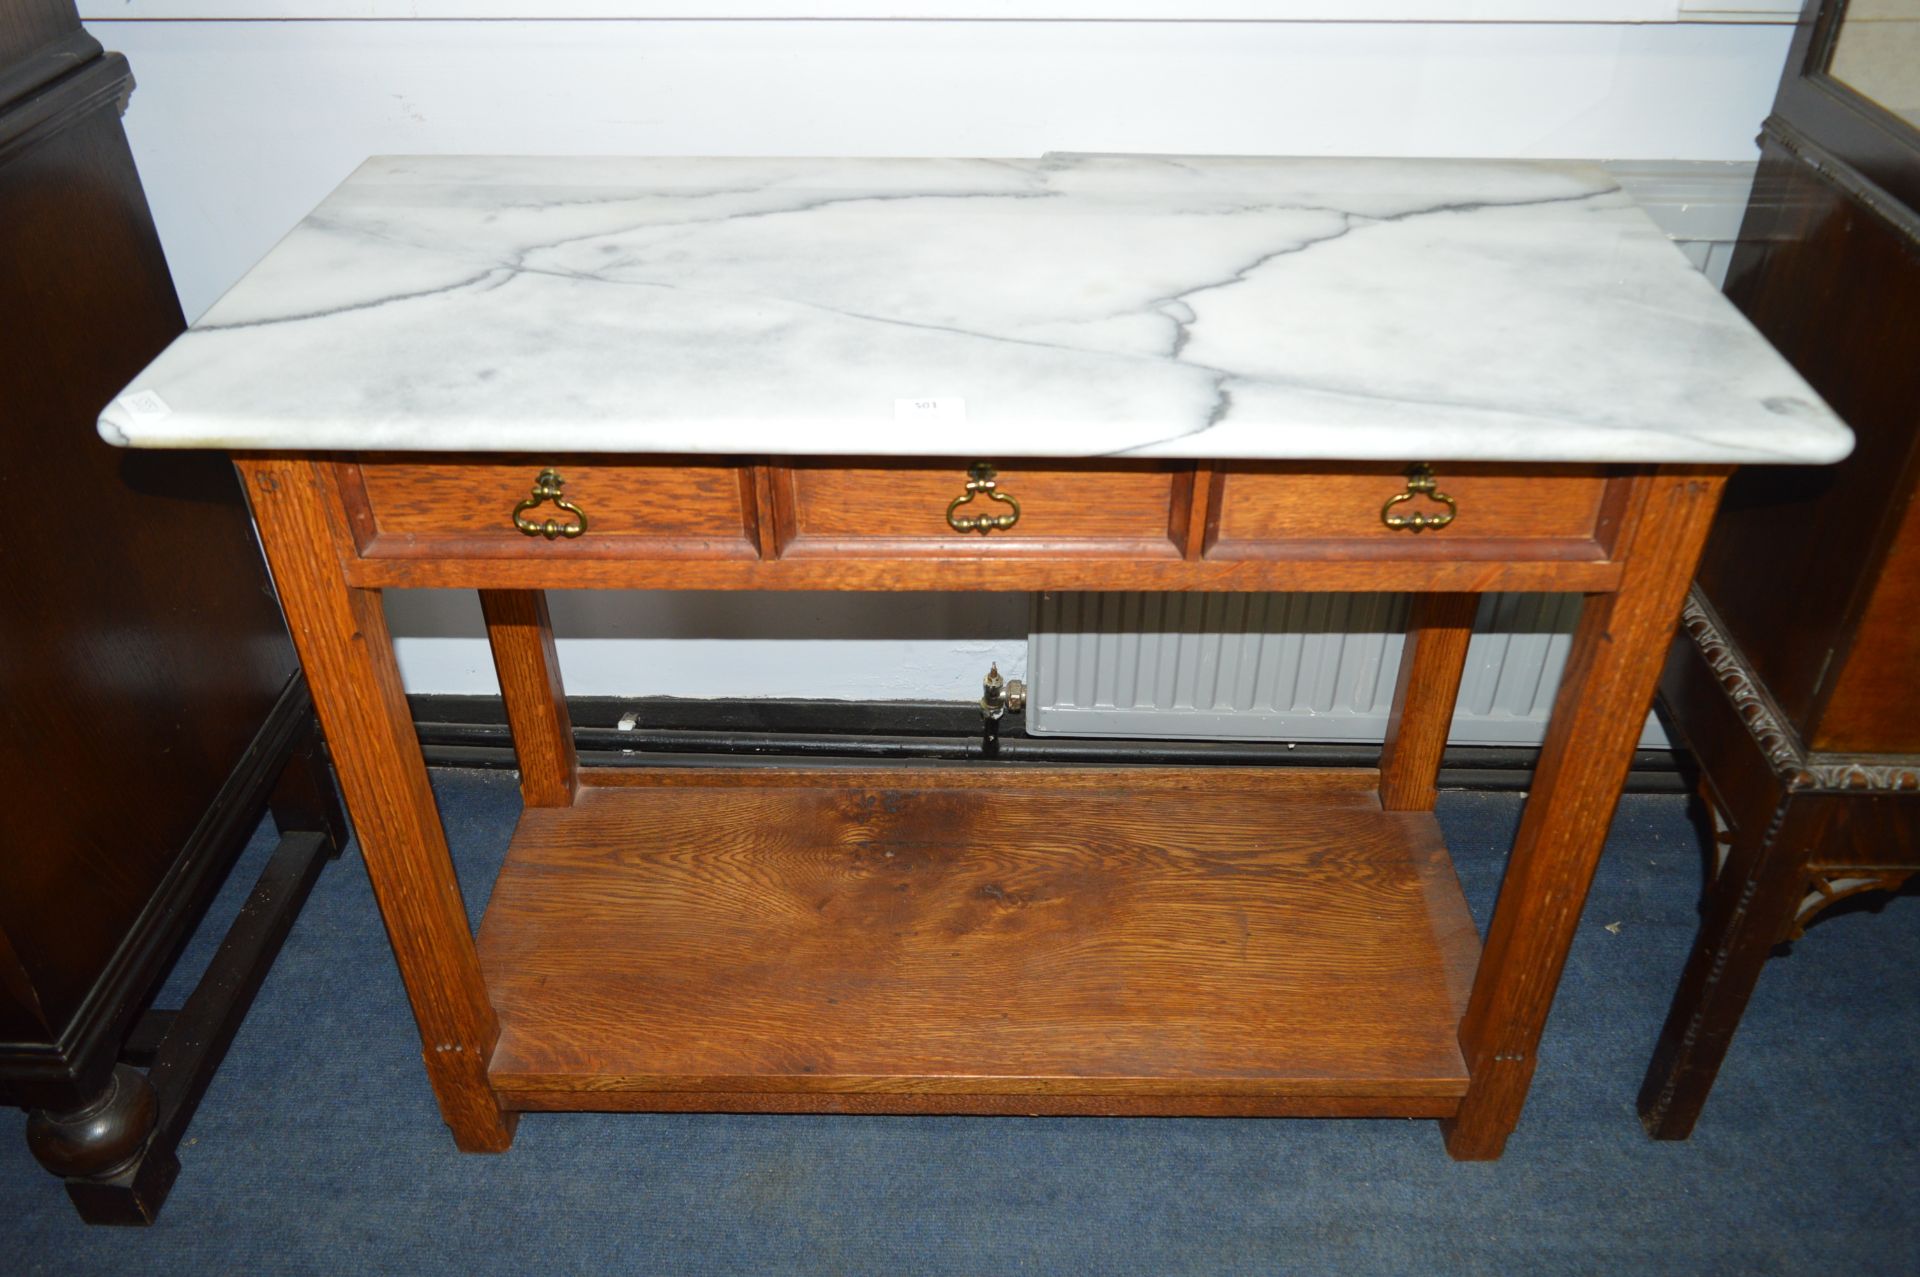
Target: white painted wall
{"x": 240, "y": 126}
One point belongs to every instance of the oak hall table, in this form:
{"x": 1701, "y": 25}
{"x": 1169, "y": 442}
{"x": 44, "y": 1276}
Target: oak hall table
{"x": 1078, "y": 372}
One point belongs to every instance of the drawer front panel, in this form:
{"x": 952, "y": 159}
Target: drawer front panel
{"x": 1563, "y": 512}
{"x": 659, "y": 509}
{"x": 1133, "y": 508}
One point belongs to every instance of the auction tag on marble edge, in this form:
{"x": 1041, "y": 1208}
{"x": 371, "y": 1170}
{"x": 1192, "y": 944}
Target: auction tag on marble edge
{"x": 930, "y": 410}
{"x": 145, "y": 405}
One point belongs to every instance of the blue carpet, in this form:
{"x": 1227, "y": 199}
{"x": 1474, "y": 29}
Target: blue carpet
{"x": 319, "y": 1149}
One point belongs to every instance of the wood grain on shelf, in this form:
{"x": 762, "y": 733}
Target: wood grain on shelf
{"x": 1028, "y": 940}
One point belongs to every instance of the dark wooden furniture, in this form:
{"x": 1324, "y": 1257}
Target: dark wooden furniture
{"x": 1796, "y": 678}
{"x": 150, "y": 705}
{"x": 994, "y": 939}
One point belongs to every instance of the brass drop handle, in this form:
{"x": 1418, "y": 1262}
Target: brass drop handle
{"x": 980, "y": 478}
{"x": 547, "y": 488}
{"x": 1420, "y": 483}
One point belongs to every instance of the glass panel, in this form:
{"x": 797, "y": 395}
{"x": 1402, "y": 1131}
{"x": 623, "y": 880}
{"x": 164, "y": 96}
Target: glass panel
{"x": 1877, "y": 53}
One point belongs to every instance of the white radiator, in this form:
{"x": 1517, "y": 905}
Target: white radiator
{"x": 1305, "y": 667}
{"x": 1320, "y": 667}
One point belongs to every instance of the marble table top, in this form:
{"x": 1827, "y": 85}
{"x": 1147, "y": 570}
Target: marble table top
{"x": 1070, "y": 306}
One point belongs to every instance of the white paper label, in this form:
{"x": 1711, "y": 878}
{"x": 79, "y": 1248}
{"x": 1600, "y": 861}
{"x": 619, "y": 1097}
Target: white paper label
{"x": 144, "y": 406}
{"x": 930, "y": 410}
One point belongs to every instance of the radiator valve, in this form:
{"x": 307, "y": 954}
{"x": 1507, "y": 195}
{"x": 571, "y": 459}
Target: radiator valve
{"x": 998, "y": 695}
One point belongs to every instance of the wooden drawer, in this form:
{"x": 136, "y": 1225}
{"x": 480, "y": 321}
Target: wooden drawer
{"x": 1137, "y": 509}
{"x": 859, "y": 523}
{"x": 1287, "y": 511}
{"x": 404, "y": 505}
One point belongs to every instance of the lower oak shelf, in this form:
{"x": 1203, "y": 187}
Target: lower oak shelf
{"x": 979, "y": 939}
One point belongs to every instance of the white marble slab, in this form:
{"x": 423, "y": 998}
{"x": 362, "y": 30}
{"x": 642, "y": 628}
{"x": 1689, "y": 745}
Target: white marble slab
{"x": 1070, "y": 306}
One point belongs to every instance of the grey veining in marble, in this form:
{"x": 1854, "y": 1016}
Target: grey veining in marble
{"x": 1069, "y": 306}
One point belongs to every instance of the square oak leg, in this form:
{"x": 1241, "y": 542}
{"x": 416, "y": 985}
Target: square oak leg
{"x": 1618, "y": 651}
{"x": 521, "y": 635}
{"x": 1438, "y": 630}
{"x": 341, "y": 635}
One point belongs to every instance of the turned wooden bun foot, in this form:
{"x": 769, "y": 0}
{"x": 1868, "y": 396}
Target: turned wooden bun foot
{"x": 100, "y": 1138}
